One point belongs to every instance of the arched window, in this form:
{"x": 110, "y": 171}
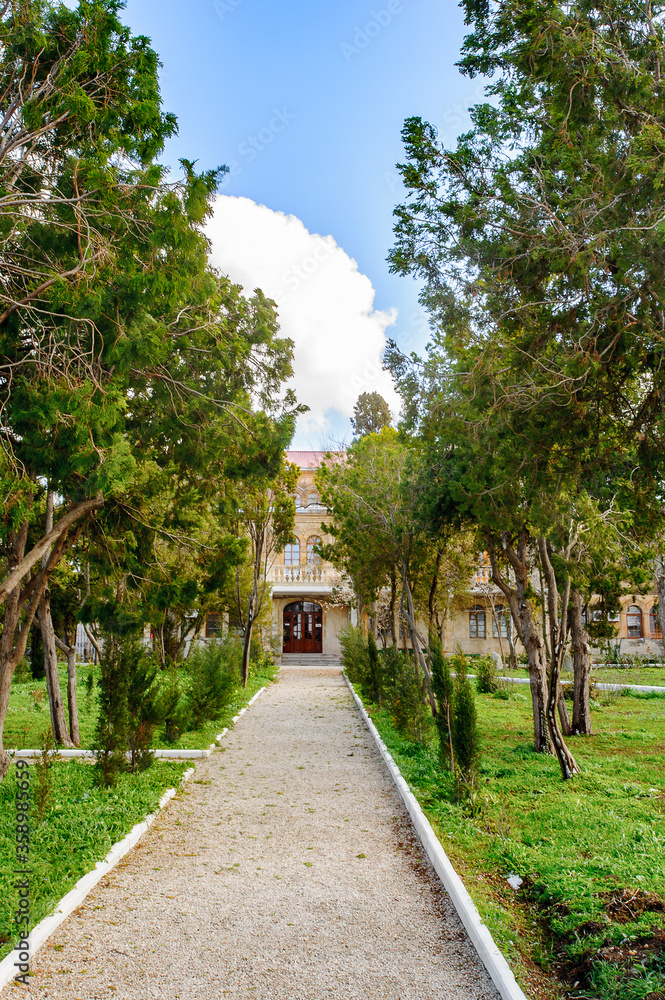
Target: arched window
{"x": 313, "y": 498}
{"x": 634, "y": 622}
{"x": 500, "y": 620}
{"x": 313, "y": 557}
{"x": 477, "y": 622}
{"x": 654, "y": 624}
{"x": 298, "y": 501}
{"x": 292, "y": 553}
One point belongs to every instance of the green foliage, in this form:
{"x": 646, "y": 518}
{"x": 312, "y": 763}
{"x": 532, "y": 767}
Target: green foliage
{"x": 23, "y": 673}
{"x": 371, "y": 414}
{"x": 127, "y": 360}
{"x": 485, "y": 675}
{"x": 111, "y": 734}
{"x": 404, "y": 693}
{"x": 466, "y": 736}
{"x": 143, "y": 707}
{"x": 388, "y": 677}
{"x": 355, "y": 657}
{"x": 174, "y": 707}
{"x": 43, "y": 775}
{"x": 442, "y": 682}
{"x": 213, "y": 675}
{"x": 374, "y": 674}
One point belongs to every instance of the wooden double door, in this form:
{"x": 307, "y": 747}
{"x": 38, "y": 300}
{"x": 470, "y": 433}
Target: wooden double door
{"x": 303, "y": 627}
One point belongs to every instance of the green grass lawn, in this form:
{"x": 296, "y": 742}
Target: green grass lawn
{"x": 80, "y": 824}
{"x": 609, "y": 675}
{"x": 28, "y": 714}
{"x": 589, "y": 919}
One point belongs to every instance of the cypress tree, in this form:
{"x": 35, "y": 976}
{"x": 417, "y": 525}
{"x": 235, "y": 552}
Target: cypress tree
{"x": 442, "y": 683}
{"x": 374, "y": 669}
{"x": 465, "y": 735}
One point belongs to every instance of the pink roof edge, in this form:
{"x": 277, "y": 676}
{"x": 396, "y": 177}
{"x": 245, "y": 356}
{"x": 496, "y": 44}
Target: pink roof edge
{"x": 309, "y": 459}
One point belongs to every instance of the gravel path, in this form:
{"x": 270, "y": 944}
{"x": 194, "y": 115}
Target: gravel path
{"x": 287, "y": 870}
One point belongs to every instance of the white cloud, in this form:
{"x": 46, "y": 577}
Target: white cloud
{"x": 326, "y": 306}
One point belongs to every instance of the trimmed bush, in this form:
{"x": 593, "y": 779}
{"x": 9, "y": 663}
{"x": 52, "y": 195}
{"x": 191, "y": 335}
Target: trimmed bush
{"x": 485, "y": 675}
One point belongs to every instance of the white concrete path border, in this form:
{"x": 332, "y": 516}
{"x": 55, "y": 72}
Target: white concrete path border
{"x": 73, "y": 899}
{"x": 601, "y": 685}
{"x": 478, "y": 932}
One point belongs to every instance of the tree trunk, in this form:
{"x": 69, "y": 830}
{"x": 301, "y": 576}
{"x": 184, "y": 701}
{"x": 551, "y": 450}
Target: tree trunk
{"x": 564, "y": 718}
{"x": 94, "y": 642}
{"x": 393, "y": 607}
{"x": 18, "y": 570}
{"x": 535, "y": 652}
{"x": 415, "y": 639}
{"x": 581, "y": 667}
{"x": 247, "y": 642}
{"x": 558, "y": 636}
{"x": 69, "y": 650}
{"x": 543, "y": 609}
{"x": 58, "y": 721}
{"x": 432, "y": 591}
{"x": 526, "y": 626}
{"x": 660, "y": 587}
{"x": 21, "y": 604}
{"x": 7, "y": 667}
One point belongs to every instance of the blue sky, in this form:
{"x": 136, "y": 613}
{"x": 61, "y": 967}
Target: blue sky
{"x": 306, "y": 102}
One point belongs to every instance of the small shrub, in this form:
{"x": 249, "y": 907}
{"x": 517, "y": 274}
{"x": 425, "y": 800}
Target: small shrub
{"x": 173, "y": 705}
{"x": 404, "y": 693}
{"x": 442, "y": 683}
{"x": 374, "y": 670}
{"x": 43, "y": 765}
{"x": 466, "y": 737}
{"x": 89, "y": 683}
{"x": 143, "y": 706}
{"x": 501, "y": 693}
{"x": 355, "y": 657}
{"x": 110, "y": 742}
{"x": 214, "y": 674}
{"x": 23, "y": 672}
{"x": 37, "y": 699}
{"x": 485, "y": 675}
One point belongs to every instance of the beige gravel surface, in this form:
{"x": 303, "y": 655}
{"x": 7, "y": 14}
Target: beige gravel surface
{"x": 286, "y": 869}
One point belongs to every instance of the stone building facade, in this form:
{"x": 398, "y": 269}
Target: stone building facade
{"x": 484, "y": 625}
{"x": 309, "y": 613}
{"x": 306, "y": 617}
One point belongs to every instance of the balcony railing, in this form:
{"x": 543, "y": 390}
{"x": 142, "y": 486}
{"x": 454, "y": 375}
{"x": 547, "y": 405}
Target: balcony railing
{"x": 305, "y": 574}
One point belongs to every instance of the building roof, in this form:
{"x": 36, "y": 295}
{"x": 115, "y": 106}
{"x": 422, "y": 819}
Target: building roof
{"x": 309, "y": 459}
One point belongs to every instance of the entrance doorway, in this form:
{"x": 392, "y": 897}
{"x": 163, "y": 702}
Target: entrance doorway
{"x": 303, "y": 627}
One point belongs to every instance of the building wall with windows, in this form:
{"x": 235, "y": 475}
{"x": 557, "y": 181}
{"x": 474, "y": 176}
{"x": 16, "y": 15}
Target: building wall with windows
{"x": 305, "y": 617}
{"x": 484, "y": 623}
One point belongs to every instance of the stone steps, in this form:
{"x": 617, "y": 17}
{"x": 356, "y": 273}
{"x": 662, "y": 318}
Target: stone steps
{"x": 310, "y": 660}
